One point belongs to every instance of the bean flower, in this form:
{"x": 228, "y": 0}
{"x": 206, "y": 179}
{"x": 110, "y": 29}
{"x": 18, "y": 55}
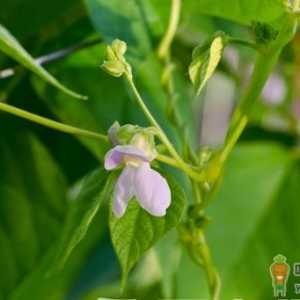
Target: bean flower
{"x": 137, "y": 178}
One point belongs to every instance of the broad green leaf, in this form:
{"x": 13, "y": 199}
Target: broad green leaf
{"x": 276, "y": 231}
{"x": 241, "y": 11}
{"x": 94, "y": 189}
{"x": 137, "y": 231}
{"x": 253, "y": 176}
{"x": 205, "y": 60}
{"x": 11, "y": 47}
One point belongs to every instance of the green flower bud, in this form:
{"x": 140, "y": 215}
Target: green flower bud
{"x": 116, "y": 64}
{"x": 114, "y": 67}
{"x": 119, "y": 47}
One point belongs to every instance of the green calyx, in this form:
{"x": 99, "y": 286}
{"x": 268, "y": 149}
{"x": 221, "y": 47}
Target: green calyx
{"x": 115, "y": 63}
{"x": 143, "y": 138}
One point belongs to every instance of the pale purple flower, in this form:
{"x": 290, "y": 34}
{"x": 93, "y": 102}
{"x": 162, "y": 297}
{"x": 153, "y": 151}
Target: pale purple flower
{"x": 137, "y": 180}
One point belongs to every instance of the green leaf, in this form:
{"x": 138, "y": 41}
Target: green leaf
{"x": 32, "y": 192}
{"x": 253, "y": 176}
{"x": 11, "y": 47}
{"x": 93, "y": 189}
{"x": 241, "y": 11}
{"x": 137, "y": 231}
{"x": 205, "y": 60}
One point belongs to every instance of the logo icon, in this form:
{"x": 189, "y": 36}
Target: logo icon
{"x": 280, "y": 271}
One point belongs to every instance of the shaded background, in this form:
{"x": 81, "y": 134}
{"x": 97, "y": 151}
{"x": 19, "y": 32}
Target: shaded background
{"x": 254, "y": 215}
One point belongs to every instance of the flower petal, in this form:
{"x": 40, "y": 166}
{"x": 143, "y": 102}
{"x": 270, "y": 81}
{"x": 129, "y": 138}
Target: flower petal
{"x": 124, "y": 191}
{"x": 152, "y": 190}
{"x": 114, "y": 156}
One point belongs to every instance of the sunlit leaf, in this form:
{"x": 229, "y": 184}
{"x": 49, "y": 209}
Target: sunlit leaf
{"x": 205, "y": 60}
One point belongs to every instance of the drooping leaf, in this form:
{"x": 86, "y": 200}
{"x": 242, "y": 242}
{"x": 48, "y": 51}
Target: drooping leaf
{"x": 92, "y": 189}
{"x": 11, "y": 47}
{"x": 137, "y": 231}
{"x": 205, "y": 60}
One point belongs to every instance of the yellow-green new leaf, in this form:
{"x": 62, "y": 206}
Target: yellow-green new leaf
{"x": 205, "y": 60}
{"x": 11, "y": 47}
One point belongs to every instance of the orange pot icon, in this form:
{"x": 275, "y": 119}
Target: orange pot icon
{"x": 280, "y": 271}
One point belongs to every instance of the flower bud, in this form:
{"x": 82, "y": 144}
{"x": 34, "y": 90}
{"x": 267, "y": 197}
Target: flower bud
{"x": 113, "y": 67}
{"x": 119, "y": 47}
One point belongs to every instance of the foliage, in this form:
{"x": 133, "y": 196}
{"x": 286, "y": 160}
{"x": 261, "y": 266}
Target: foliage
{"x": 234, "y": 204}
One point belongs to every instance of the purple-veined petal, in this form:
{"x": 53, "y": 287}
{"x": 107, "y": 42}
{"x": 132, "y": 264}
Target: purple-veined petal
{"x": 124, "y": 191}
{"x": 152, "y": 190}
{"x": 114, "y": 156}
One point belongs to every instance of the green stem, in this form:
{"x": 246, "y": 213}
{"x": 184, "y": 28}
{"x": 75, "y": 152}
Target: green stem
{"x": 200, "y": 253}
{"x": 50, "y": 123}
{"x": 71, "y": 129}
{"x": 164, "y": 47}
{"x": 264, "y": 65}
{"x": 180, "y": 162}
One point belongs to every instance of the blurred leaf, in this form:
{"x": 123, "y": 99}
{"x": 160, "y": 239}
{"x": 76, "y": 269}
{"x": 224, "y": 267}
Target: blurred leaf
{"x": 266, "y": 223}
{"x": 46, "y": 13}
{"x": 10, "y": 277}
{"x": 205, "y": 60}
{"x": 128, "y": 24}
{"x": 137, "y": 231}
{"x": 252, "y": 178}
{"x": 95, "y": 188}
{"x": 255, "y": 187}
{"x": 32, "y": 191}
{"x": 168, "y": 252}
{"x": 23, "y": 238}
{"x": 11, "y": 47}
{"x": 241, "y": 11}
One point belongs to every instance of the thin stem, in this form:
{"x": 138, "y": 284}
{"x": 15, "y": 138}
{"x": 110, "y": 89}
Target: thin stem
{"x": 265, "y": 62}
{"x": 180, "y": 162}
{"x": 211, "y": 273}
{"x": 233, "y": 139}
{"x": 50, "y": 123}
{"x": 166, "y": 42}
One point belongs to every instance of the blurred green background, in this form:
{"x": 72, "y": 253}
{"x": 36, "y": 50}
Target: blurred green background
{"x": 254, "y": 215}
